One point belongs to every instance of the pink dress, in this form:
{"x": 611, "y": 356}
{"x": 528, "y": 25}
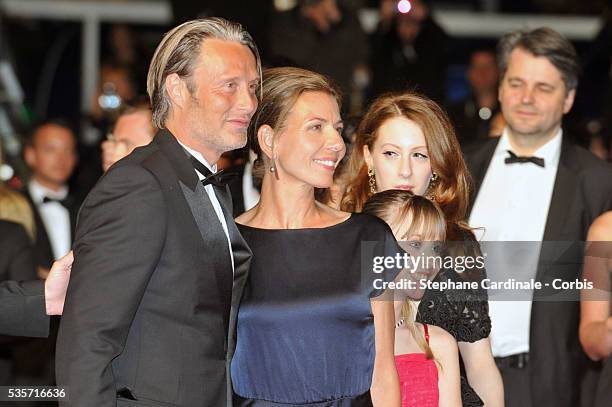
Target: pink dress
{"x": 418, "y": 378}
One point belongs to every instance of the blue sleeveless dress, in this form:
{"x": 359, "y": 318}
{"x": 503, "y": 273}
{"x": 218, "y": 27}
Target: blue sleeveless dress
{"x": 305, "y": 332}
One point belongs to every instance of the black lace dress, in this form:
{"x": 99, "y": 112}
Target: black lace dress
{"x": 462, "y": 313}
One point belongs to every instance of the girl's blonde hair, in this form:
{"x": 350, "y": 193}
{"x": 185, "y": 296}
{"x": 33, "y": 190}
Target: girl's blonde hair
{"x": 408, "y": 214}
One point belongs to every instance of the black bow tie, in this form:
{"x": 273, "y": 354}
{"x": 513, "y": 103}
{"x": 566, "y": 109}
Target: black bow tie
{"x": 518, "y": 159}
{"x": 62, "y": 202}
{"x": 219, "y": 179}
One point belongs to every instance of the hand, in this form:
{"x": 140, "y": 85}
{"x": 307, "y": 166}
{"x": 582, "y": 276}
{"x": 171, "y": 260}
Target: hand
{"x": 42, "y": 272}
{"x": 56, "y": 284}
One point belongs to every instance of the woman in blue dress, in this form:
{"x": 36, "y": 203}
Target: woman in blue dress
{"x": 313, "y": 328}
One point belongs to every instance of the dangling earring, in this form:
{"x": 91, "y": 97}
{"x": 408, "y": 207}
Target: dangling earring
{"x": 273, "y": 168}
{"x": 432, "y": 183}
{"x": 371, "y": 181}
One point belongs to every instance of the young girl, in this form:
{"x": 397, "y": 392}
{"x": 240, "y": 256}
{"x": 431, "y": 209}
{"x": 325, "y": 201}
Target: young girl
{"x": 426, "y": 356}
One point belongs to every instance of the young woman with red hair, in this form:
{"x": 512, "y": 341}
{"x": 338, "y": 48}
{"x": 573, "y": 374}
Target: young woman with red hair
{"x": 405, "y": 141}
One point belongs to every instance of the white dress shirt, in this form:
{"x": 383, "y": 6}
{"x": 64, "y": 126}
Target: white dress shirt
{"x": 211, "y": 195}
{"x": 54, "y": 215}
{"x": 512, "y": 206}
{"x": 249, "y": 192}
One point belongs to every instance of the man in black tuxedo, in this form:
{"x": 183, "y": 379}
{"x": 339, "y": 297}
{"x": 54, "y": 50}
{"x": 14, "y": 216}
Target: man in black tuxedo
{"x": 159, "y": 263}
{"x": 51, "y": 156}
{"x": 532, "y": 185}
{"x": 16, "y": 263}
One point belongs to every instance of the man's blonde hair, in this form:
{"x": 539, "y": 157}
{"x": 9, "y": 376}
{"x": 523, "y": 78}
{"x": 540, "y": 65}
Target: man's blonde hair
{"x": 178, "y": 53}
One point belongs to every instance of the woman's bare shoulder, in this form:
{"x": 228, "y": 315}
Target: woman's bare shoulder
{"x": 441, "y": 341}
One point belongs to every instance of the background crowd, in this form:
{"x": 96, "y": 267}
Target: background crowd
{"x": 60, "y": 152}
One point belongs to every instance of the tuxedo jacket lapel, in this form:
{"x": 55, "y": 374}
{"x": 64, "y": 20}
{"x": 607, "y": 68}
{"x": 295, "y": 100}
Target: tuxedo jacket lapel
{"x": 42, "y": 245}
{"x": 175, "y": 153}
{"x": 242, "y": 257}
{"x": 561, "y": 241}
{"x": 230, "y": 287}
{"x": 562, "y": 200}
{"x": 213, "y": 238}
{"x": 192, "y": 202}
{"x": 478, "y": 163}
{"x": 72, "y": 204}
{"x": 242, "y": 261}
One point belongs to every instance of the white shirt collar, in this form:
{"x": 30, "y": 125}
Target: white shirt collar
{"x": 38, "y": 192}
{"x": 200, "y": 158}
{"x": 550, "y": 152}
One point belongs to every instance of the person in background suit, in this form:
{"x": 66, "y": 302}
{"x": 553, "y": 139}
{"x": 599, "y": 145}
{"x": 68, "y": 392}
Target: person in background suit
{"x": 245, "y": 188}
{"x": 16, "y": 263}
{"x": 133, "y": 128}
{"x": 22, "y": 305}
{"x": 17, "y": 233}
{"x": 473, "y": 115}
{"x": 51, "y": 155}
{"x": 25, "y": 306}
{"x": 321, "y": 35}
{"x": 532, "y": 185}
{"x": 409, "y": 52}
{"x": 159, "y": 263}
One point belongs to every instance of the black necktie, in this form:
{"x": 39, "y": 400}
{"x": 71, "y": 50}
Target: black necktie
{"x": 519, "y": 159}
{"x": 62, "y": 202}
{"x": 219, "y": 179}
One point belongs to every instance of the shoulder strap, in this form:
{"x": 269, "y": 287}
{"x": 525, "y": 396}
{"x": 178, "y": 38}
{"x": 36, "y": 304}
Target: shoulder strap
{"x": 426, "y": 329}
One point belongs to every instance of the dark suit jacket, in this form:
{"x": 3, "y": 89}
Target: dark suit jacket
{"x": 42, "y": 246}
{"x": 151, "y": 298}
{"x": 22, "y": 309}
{"x": 16, "y": 259}
{"x": 22, "y": 306}
{"x": 582, "y": 191}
